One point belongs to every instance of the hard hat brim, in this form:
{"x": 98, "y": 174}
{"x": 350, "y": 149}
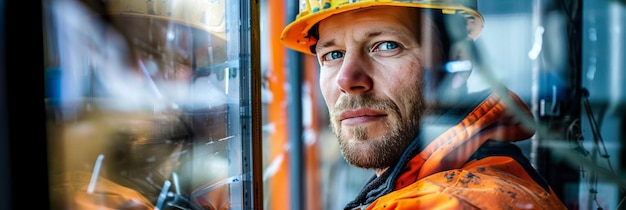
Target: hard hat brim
{"x": 295, "y": 35}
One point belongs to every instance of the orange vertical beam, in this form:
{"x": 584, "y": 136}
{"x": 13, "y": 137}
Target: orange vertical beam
{"x": 278, "y": 192}
{"x": 312, "y": 159}
{"x": 278, "y": 115}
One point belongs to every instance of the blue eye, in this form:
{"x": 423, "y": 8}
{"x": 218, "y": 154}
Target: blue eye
{"x": 333, "y": 55}
{"x": 388, "y": 45}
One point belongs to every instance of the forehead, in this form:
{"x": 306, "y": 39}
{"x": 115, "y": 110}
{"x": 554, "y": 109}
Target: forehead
{"x": 375, "y": 12}
{"x": 383, "y": 18}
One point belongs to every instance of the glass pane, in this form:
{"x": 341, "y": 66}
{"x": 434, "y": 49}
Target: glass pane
{"x": 143, "y": 104}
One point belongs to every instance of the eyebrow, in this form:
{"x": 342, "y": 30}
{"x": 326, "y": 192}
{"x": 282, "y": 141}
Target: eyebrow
{"x": 331, "y": 42}
{"x": 326, "y": 44}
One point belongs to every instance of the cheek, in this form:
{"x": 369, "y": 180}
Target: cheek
{"x": 404, "y": 85}
{"x": 404, "y": 74}
{"x": 326, "y": 88}
{"x": 402, "y": 89}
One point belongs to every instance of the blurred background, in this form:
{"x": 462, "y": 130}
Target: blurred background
{"x": 230, "y": 119}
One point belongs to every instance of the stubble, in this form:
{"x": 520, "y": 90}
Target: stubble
{"x": 360, "y": 148}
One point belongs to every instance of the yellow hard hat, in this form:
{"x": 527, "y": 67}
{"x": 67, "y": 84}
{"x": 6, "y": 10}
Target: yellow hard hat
{"x": 296, "y": 37}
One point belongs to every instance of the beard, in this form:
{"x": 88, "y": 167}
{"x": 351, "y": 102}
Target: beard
{"x": 360, "y": 149}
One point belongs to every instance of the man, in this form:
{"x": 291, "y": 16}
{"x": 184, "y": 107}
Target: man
{"x": 392, "y": 74}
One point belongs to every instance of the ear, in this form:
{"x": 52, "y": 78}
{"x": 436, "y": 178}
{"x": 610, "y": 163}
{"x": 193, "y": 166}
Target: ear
{"x": 474, "y": 27}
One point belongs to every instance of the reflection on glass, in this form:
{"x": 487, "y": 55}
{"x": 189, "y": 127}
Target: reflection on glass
{"x": 143, "y": 105}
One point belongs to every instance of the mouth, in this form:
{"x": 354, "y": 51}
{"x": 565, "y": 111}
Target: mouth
{"x": 360, "y": 116}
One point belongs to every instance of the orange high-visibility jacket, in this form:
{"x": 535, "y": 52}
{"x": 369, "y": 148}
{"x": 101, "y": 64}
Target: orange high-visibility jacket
{"x": 465, "y": 162}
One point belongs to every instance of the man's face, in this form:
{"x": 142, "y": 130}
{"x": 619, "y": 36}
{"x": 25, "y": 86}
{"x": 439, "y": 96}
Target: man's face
{"x": 371, "y": 78}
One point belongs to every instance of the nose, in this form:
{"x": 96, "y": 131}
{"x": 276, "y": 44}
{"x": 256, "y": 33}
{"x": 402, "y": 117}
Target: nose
{"x": 354, "y": 76}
